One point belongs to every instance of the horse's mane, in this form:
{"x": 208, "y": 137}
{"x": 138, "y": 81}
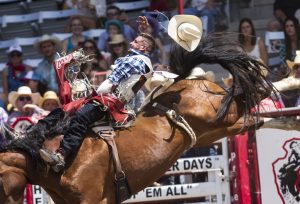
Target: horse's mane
{"x": 54, "y": 124}
{"x": 220, "y": 48}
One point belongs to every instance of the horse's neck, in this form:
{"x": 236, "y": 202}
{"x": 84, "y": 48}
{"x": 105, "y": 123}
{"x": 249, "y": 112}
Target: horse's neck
{"x": 149, "y": 149}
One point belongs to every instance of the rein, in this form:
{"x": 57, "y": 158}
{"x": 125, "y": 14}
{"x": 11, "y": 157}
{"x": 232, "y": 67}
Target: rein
{"x": 179, "y": 121}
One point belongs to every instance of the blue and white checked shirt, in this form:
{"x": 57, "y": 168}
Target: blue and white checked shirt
{"x": 126, "y": 66}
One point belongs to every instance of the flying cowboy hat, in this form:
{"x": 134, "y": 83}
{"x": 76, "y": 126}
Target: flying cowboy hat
{"x": 186, "y": 30}
{"x": 291, "y": 64}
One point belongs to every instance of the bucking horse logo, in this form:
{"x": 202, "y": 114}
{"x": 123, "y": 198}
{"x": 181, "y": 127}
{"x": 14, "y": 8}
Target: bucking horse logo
{"x": 286, "y": 172}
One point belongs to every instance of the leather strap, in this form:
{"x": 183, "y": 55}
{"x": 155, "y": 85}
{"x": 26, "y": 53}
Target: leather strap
{"x": 123, "y": 191}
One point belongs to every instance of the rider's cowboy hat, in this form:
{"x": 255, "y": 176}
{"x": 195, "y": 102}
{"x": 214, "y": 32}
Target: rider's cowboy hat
{"x": 47, "y": 38}
{"x": 296, "y": 60}
{"x": 49, "y": 95}
{"x": 186, "y": 30}
{"x": 198, "y": 73}
{"x": 23, "y": 90}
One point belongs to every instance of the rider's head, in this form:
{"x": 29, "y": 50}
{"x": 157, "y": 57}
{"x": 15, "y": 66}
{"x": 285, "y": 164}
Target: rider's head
{"x": 144, "y": 43}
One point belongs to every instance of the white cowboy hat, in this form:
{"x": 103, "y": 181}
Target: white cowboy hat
{"x": 47, "y": 38}
{"x": 186, "y": 30}
{"x": 296, "y": 60}
{"x": 23, "y": 90}
{"x": 198, "y": 73}
{"x": 49, "y": 95}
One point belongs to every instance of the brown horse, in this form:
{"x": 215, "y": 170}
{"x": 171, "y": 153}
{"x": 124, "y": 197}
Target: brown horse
{"x": 153, "y": 143}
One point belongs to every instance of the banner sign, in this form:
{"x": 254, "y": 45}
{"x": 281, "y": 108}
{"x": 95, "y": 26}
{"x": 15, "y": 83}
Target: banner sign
{"x": 279, "y": 165}
{"x": 197, "y": 164}
{"x": 193, "y": 190}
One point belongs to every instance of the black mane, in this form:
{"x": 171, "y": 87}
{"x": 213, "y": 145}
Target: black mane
{"x": 55, "y": 123}
{"x": 220, "y": 48}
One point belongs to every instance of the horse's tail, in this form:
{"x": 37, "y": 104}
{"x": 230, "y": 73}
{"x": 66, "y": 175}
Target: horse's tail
{"x": 246, "y": 71}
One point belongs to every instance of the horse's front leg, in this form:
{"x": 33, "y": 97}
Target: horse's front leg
{"x": 12, "y": 186}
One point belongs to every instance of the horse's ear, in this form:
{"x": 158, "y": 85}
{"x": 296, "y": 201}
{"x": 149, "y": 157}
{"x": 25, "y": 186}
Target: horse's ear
{"x": 13, "y": 184}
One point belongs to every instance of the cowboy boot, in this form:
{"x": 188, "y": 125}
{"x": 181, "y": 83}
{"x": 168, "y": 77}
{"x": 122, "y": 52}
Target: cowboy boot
{"x": 55, "y": 160}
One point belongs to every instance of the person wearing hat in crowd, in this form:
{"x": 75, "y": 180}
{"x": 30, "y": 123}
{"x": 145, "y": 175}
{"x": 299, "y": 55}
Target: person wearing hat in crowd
{"x": 47, "y": 45}
{"x": 112, "y": 27}
{"x": 50, "y": 101}
{"x": 114, "y": 12}
{"x": 14, "y": 71}
{"x": 118, "y": 47}
{"x": 290, "y": 86}
{"x": 19, "y": 99}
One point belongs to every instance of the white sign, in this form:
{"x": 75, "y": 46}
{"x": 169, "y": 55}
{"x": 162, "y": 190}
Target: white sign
{"x": 279, "y": 164}
{"x": 37, "y": 194}
{"x": 193, "y": 190}
{"x": 197, "y": 164}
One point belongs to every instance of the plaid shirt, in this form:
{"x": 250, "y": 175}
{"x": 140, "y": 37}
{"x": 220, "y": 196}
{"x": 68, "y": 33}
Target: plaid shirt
{"x": 126, "y": 66}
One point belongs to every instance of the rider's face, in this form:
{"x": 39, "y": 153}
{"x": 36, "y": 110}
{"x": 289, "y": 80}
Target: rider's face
{"x": 138, "y": 43}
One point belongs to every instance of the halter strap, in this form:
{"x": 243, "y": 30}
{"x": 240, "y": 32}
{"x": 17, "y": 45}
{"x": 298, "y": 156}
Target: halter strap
{"x": 179, "y": 121}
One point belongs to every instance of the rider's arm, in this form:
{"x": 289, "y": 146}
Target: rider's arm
{"x": 105, "y": 87}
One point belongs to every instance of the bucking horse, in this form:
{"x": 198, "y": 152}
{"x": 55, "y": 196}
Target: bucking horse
{"x": 154, "y": 142}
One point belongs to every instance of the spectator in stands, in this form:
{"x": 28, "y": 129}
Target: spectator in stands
{"x": 159, "y": 55}
{"x": 19, "y": 99}
{"x": 283, "y": 9}
{"x": 72, "y": 43}
{"x": 48, "y": 46}
{"x": 292, "y": 37}
{"x": 290, "y": 86}
{"x": 50, "y": 101}
{"x": 251, "y": 43}
{"x": 112, "y": 27}
{"x": 202, "y": 8}
{"x": 100, "y": 60}
{"x": 118, "y": 47}
{"x": 114, "y": 12}
{"x": 14, "y": 71}
{"x": 32, "y": 80}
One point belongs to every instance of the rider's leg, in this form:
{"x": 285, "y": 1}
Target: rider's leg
{"x": 74, "y": 135}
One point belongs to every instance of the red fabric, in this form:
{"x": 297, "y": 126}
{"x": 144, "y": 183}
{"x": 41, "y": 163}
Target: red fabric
{"x": 115, "y": 106}
{"x": 63, "y": 84}
{"x": 20, "y": 68}
{"x": 29, "y": 195}
{"x": 268, "y": 104}
{"x": 242, "y": 160}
